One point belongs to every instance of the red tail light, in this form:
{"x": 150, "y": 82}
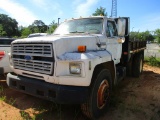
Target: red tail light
{"x": 2, "y": 54}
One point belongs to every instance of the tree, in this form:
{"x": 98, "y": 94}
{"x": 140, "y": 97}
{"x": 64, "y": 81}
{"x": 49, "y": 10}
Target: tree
{"x": 100, "y": 11}
{"x": 25, "y": 32}
{"x": 8, "y": 26}
{"x": 147, "y": 36}
{"x": 38, "y": 26}
{"x": 52, "y": 27}
{"x": 38, "y": 23}
{"x": 2, "y": 32}
{"x": 141, "y": 36}
{"x": 157, "y": 34}
{"x": 135, "y": 35}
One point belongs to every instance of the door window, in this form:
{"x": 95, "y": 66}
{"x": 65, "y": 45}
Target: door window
{"x": 111, "y": 29}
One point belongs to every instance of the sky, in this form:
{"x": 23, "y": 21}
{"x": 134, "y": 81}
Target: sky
{"x": 144, "y": 14}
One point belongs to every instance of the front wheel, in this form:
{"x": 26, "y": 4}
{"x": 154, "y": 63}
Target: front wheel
{"x": 99, "y": 98}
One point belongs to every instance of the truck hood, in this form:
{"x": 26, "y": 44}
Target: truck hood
{"x": 67, "y": 43}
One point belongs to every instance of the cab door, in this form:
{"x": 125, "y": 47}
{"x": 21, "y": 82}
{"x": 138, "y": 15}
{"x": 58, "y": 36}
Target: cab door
{"x": 113, "y": 45}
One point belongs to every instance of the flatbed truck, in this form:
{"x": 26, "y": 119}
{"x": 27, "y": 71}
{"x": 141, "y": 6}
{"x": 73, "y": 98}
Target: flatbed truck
{"x": 79, "y": 63}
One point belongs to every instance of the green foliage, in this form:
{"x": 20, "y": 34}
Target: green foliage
{"x": 25, "y": 32}
{"x": 3, "y": 98}
{"x": 141, "y": 36}
{"x": 38, "y": 26}
{"x": 11, "y": 101}
{"x": 2, "y": 32}
{"x": 100, "y": 11}
{"x": 153, "y": 61}
{"x": 2, "y": 95}
{"x": 25, "y": 115}
{"x": 8, "y": 26}
{"x": 52, "y": 27}
{"x": 157, "y": 33}
{"x": 38, "y": 23}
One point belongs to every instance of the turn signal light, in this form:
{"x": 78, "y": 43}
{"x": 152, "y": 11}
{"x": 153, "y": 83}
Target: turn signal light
{"x": 81, "y": 48}
{"x": 2, "y": 53}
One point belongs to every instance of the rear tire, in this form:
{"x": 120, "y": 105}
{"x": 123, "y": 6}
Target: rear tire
{"x": 99, "y": 98}
{"x": 137, "y": 65}
{"x": 129, "y": 68}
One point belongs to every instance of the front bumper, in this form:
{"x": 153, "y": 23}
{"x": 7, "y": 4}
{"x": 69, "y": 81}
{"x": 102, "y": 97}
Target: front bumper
{"x": 58, "y": 93}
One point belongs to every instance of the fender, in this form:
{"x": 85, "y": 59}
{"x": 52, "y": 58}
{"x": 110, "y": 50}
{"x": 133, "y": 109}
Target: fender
{"x": 91, "y": 59}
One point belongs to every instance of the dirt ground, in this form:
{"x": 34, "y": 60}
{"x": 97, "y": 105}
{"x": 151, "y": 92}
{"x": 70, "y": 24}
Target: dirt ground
{"x": 132, "y": 99}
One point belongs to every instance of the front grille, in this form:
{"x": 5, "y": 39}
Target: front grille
{"x": 41, "y": 57}
{"x": 32, "y": 49}
{"x": 34, "y": 66}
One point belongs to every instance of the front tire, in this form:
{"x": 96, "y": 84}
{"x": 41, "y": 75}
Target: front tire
{"x": 99, "y": 98}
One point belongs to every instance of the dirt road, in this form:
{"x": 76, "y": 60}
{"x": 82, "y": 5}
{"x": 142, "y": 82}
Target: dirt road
{"x": 133, "y": 99}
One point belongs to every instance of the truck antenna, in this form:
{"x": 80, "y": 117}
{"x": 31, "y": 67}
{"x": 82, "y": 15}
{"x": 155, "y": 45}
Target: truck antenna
{"x": 114, "y": 8}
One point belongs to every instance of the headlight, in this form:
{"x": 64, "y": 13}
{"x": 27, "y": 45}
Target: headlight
{"x": 75, "y": 68}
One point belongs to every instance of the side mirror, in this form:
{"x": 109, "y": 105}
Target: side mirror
{"x": 121, "y": 24}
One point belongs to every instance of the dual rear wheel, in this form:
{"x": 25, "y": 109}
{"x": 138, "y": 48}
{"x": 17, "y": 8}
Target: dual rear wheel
{"x": 137, "y": 65}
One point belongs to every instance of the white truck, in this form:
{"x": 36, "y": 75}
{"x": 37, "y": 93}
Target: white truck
{"x": 5, "y": 48}
{"x": 79, "y": 64}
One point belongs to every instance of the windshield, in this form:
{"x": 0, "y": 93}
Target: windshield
{"x": 87, "y": 25}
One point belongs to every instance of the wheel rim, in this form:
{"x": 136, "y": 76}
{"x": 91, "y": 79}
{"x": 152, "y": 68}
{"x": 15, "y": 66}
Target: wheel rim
{"x": 141, "y": 65}
{"x": 103, "y": 94}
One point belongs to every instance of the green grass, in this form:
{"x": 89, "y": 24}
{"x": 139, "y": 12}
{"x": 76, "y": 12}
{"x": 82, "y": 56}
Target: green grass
{"x": 25, "y": 115}
{"x": 2, "y": 98}
{"x": 2, "y": 95}
{"x": 1, "y": 89}
{"x": 11, "y": 101}
{"x": 153, "y": 61}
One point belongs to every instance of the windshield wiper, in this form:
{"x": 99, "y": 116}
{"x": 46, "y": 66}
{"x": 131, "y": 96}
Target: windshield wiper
{"x": 56, "y": 34}
{"x": 76, "y": 32}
